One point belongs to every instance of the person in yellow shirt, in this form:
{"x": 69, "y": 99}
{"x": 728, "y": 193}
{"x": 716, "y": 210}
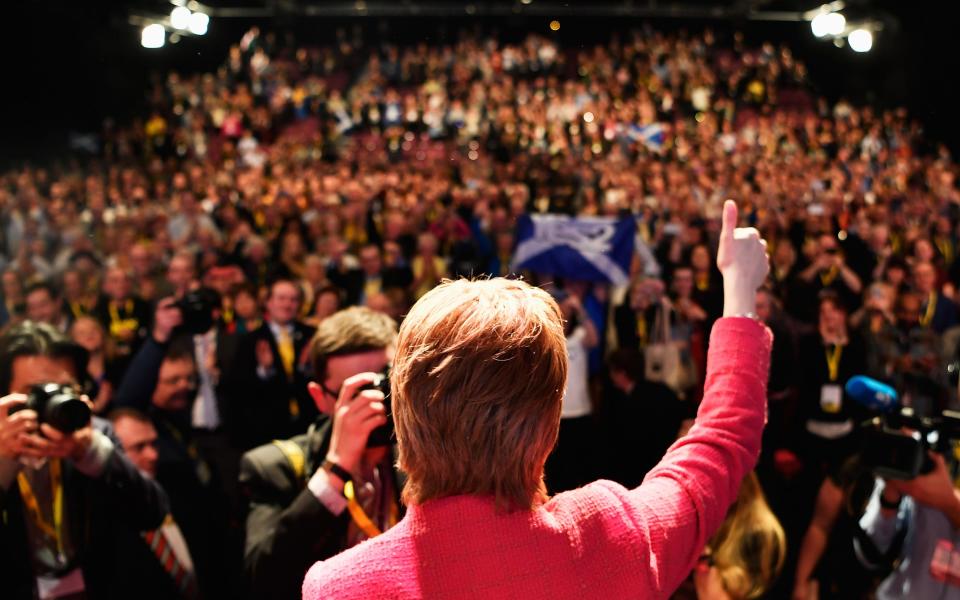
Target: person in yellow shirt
{"x": 428, "y": 268}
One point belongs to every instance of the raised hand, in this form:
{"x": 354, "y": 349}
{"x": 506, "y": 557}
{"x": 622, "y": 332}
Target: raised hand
{"x": 743, "y": 261}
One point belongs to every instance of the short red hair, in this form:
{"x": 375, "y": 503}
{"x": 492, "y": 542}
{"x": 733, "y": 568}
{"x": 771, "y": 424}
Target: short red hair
{"x": 477, "y": 384}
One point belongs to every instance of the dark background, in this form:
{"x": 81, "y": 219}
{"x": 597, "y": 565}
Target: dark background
{"x": 70, "y": 64}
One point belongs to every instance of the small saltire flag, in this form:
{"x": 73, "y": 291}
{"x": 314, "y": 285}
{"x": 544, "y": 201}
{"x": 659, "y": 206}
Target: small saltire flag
{"x": 584, "y": 248}
{"x": 651, "y": 136}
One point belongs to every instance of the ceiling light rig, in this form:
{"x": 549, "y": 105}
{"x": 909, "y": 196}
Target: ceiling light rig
{"x": 828, "y": 23}
{"x": 186, "y": 18}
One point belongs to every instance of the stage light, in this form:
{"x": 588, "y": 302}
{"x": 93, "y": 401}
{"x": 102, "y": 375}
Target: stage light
{"x": 819, "y": 25}
{"x": 826, "y": 24}
{"x": 525, "y": 1}
{"x": 860, "y": 40}
{"x": 588, "y": 117}
{"x": 554, "y": 25}
{"x": 835, "y": 23}
{"x": 180, "y": 17}
{"x": 152, "y": 36}
{"x": 198, "y": 23}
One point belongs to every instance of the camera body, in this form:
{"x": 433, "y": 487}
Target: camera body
{"x": 197, "y": 307}
{"x": 384, "y": 434}
{"x": 59, "y": 406}
{"x": 898, "y": 443}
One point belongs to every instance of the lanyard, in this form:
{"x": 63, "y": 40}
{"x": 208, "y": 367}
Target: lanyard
{"x": 833, "y": 361}
{"x": 77, "y": 310}
{"x": 946, "y": 249}
{"x": 927, "y": 316}
{"x": 828, "y": 277}
{"x": 360, "y": 517}
{"x": 642, "y": 330}
{"x": 55, "y": 531}
{"x": 118, "y": 325}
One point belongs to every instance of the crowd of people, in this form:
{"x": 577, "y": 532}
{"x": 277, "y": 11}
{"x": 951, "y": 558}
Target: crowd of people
{"x": 197, "y": 258}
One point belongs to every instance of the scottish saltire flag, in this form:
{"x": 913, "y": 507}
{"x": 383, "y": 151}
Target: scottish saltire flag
{"x": 585, "y": 248}
{"x": 651, "y": 136}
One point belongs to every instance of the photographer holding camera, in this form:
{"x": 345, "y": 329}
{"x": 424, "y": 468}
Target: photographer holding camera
{"x": 68, "y": 494}
{"x": 918, "y": 522}
{"x": 317, "y": 494}
{"x": 196, "y": 464}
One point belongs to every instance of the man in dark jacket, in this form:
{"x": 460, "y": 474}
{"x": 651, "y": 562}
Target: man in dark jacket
{"x": 66, "y": 499}
{"x": 268, "y": 378}
{"x": 162, "y": 382}
{"x": 298, "y": 489}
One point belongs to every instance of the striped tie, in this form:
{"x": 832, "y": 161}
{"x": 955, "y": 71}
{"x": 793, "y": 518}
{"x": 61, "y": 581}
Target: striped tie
{"x": 161, "y": 548}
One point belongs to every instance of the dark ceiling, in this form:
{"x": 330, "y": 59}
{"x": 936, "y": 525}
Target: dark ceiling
{"x": 72, "y": 63}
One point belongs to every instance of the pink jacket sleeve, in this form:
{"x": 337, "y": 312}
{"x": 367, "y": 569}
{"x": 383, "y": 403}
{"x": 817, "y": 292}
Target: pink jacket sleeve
{"x": 685, "y": 498}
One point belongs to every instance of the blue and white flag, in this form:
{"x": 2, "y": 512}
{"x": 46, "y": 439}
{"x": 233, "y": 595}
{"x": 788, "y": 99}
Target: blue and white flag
{"x": 651, "y": 136}
{"x": 584, "y": 248}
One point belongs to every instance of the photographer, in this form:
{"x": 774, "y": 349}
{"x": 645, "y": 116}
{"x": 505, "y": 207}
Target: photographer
{"x": 298, "y": 512}
{"x": 67, "y": 499}
{"x": 922, "y": 517}
{"x": 162, "y": 382}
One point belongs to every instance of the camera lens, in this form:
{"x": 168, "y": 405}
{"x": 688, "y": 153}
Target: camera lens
{"x": 60, "y": 407}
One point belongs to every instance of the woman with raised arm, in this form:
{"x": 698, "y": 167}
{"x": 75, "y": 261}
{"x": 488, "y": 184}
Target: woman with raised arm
{"x": 477, "y": 383}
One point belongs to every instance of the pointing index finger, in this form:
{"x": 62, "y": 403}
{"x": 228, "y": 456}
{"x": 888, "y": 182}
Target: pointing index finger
{"x": 729, "y": 219}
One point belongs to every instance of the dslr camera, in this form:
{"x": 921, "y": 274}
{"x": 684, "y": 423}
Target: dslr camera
{"x": 382, "y": 435}
{"x": 197, "y": 308}
{"x": 898, "y": 443}
{"x": 59, "y": 406}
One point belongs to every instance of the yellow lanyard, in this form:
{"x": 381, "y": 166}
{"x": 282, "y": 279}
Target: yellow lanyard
{"x": 828, "y": 277}
{"x": 946, "y": 249}
{"x": 703, "y": 282}
{"x": 833, "y": 361}
{"x": 77, "y": 310}
{"x": 55, "y": 531}
{"x": 642, "y": 331}
{"x": 360, "y": 517}
{"x": 927, "y": 316}
{"x": 117, "y": 325}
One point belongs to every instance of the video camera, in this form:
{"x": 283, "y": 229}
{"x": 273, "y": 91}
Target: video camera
{"x": 898, "y": 441}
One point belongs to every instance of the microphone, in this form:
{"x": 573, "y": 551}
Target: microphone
{"x": 872, "y": 394}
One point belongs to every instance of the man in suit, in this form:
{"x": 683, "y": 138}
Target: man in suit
{"x": 269, "y": 378}
{"x": 371, "y": 279}
{"x": 298, "y": 510}
{"x": 67, "y": 499}
{"x": 141, "y": 566}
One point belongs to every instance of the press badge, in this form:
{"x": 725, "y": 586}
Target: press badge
{"x": 831, "y": 398}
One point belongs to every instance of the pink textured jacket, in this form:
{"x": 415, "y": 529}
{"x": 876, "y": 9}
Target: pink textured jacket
{"x": 600, "y": 541}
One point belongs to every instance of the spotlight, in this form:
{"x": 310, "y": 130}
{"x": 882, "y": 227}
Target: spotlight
{"x": 860, "y": 40}
{"x": 180, "y": 17}
{"x": 198, "y": 23}
{"x": 819, "y": 25}
{"x": 554, "y": 25}
{"x": 825, "y": 24}
{"x": 152, "y": 36}
{"x": 835, "y": 23}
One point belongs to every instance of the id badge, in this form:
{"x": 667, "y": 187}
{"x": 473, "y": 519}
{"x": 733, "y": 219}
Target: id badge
{"x": 940, "y": 563}
{"x": 831, "y": 398}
